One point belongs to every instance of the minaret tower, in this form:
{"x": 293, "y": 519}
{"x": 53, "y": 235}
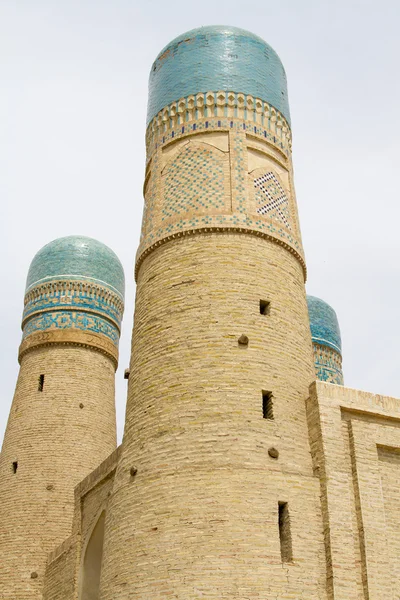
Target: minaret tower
{"x": 215, "y": 495}
{"x": 62, "y": 419}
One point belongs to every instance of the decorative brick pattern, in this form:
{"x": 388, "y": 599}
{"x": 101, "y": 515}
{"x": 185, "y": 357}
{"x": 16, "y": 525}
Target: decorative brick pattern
{"x": 271, "y": 198}
{"x": 194, "y": 181}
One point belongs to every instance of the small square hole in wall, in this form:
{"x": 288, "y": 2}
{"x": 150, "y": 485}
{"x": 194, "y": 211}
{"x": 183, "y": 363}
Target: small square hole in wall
{"x": 265, "y": 307}
{"x": 267, "y": 405}
{"x": 41, "y": 383}
{"x": 15, "y": 466}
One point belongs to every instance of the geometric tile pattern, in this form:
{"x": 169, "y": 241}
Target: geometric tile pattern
{"x": 194, "y": 182}
{"x": 76, "y": 300}
{"x": 238, "y": 156}
{"x": 271, "y": 198}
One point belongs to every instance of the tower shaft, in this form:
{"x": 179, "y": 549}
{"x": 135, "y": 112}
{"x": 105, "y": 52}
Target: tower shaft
{"x": 53, "y": 439}
{"x": 62, "y": 420}
{"x": 215, "y": 479}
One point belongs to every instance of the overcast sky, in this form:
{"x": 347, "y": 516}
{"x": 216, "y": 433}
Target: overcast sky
{"x": 73, "y": 94}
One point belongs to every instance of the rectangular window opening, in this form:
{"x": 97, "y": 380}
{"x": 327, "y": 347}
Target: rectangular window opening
{"x": 41, "y": 383}
{"x": 285, "y": 537}
{"x": 267, "y": 405}
{"x": 265, "y": 307}
{"x": 15, "y": 466}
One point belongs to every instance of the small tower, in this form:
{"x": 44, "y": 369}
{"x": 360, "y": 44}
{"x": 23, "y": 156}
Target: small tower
{"x": 327, "y": 344}
{"x": 215, "y": 480}
{"x": 62, "y": 419}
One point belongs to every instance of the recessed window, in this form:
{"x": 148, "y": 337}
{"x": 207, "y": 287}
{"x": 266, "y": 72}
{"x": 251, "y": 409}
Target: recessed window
{"x": 265, "y": 307}
{"x": 41, "y": 383}
{"x": 15, "y": 466}
{"x": 267, "y": 405}
{"x": 285, "y": 537}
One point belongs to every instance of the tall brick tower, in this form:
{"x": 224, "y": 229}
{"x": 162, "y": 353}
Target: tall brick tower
{"x": 215, "y": 495}
{"x": 62, "y": 420}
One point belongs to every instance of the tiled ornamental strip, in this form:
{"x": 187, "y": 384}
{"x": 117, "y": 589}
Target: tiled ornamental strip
{"x": 244, "y": 118}
{"x": 180, "y": 118}
{"x": 72, "y": 313}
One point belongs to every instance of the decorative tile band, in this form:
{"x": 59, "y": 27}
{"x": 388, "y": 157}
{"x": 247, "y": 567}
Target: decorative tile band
{"x": 218, "y": 111}
{"x": 73, "y": 295}
{"x": 60, "y": 320}
{"x": 328, "y": 364}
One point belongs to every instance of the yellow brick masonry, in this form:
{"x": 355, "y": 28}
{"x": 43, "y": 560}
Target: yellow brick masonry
{"x": 64, "y": 572}
{"x": 57, "y": 436}
{"x": 200, "y": 518}
{"x": 355, "y": 441}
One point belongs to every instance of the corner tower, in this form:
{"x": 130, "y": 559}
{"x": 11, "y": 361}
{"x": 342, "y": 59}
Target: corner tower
{"x": 215, "y": 481}
{"x": 62, "y": 419}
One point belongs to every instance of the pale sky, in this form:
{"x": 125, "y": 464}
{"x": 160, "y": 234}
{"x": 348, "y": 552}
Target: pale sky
{"x": 73, "y": 94}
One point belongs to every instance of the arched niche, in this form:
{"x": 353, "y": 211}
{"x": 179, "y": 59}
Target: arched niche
{"x": 91, "y": 564}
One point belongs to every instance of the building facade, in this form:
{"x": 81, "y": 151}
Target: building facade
{"x": 247, "y": 470}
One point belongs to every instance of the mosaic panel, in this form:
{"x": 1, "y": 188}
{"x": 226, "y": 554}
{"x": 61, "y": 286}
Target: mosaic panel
{"x": 328, "y": 365}
{"x": 238, "y": 162}
{"x": 271, "y": 198}
{"x": 72, "y": 320}
{"x": 194, "y": 182}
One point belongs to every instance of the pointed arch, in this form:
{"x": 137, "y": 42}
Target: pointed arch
{"x": 91, "y": 563}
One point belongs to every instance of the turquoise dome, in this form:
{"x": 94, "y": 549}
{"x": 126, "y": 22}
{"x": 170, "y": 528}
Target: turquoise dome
{"x": 324, "y": 324}
{"x": 215, "y": 58}
{"x": 77, "y": 258}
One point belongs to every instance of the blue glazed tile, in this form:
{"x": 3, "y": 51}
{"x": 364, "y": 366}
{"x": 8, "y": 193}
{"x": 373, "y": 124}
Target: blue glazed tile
{"x": 217, "y": 58}
{"x": 77, "y": 258}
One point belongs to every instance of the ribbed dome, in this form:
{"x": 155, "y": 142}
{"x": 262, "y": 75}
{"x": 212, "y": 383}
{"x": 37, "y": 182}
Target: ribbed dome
{"x": 217, "y": 58}
{"x": 324, "y": 324}
{"x": 77, "y": 258}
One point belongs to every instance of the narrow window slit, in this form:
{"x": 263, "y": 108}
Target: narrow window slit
{"x": 15, "y": 466}
{"x": 267, "y": 405}
{"x": 41, "y": 383}
{"x": 265, "y": 307}
{"x": 285, "y": 537}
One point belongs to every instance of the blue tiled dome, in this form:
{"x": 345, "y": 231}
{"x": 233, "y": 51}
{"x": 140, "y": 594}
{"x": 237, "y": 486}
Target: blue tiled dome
{"x": 217, "y": 58}
{"x": 324, "y": 324}
{"x": 80, "y": 258}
